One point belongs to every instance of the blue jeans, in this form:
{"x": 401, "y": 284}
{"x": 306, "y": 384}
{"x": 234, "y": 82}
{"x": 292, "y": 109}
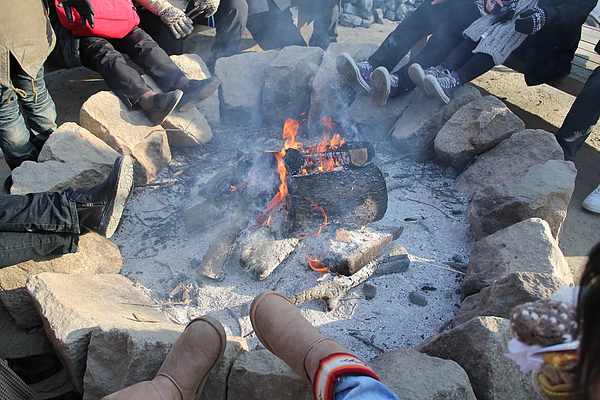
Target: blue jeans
{"x": 37, "y": 224}
{"x": 352, "y": 387}
{"x": 27, "y": 116}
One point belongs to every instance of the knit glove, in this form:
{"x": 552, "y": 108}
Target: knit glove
{"x": 83, "y": 7}
{"x": 506, "y": 11}
{"x": 531, "y": 21}
{"x": 179, "y": 24}
{"x": 206, "y": 7}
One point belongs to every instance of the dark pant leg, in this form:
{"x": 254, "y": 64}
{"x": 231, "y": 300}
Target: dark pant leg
{"x": 230, "y": 23}
{"x": 478, "y": 65}
{"x": 146, "y": 53}
{"x": 274, "y": 29}
{"x": 36, "y": 224}
{"x": 582, "y": 117}
{"x": 445, "y": 23}
{"x": 160, "y": 32}
{"x": 460, "y": 55}
{"x": 99, "y": 55}
{"x": 324, "y": 16}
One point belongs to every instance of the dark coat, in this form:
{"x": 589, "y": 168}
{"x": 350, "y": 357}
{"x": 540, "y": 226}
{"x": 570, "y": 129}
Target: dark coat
{"x": 548, "y": 53}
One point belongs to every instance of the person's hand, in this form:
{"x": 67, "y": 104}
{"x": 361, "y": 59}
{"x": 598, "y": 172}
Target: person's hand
{"x": 207, "y": 7}
{"x": 179, "y": 24}
{"x": 492, "y": 5}
{"x": 83, "y": 7}
{"x": 530, "y": 21}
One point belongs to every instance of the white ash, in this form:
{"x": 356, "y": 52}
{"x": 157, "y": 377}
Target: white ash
{"x": 157, "y": 253}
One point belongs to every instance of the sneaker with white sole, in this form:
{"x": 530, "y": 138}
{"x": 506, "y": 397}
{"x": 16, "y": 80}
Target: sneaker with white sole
{"x": 384, "y": 85}
{"x": 442, "y": 86}
{"x": 417, "y": 74}
{"x": 357, "y": 75}
{"x": 592, "y": 202}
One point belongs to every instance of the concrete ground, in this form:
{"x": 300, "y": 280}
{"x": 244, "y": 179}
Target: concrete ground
{"x": 540, "y": 107}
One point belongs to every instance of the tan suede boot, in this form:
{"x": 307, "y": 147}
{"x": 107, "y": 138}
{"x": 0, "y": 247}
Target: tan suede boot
{"x": 183, "y": 373}
{"x": 283, "y": 330}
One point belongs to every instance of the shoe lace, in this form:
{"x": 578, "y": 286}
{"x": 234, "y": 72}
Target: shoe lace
{"x": 433, "y": 71}
{"x": 393, "y": 81}
{"x": 446, "y": 80}
{"x": 365, "y": 65}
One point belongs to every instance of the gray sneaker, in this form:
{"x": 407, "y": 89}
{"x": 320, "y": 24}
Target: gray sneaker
{"x": 384, "y": 86}
{"x": 442, "y": 86}
{"x": 417, "y": 74}
{"x": 357, "y": 75}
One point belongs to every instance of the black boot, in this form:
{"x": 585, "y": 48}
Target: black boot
{"x": 197, "y": 90}
{"x": 34, "y": 369}
{"x": 100, "y": 208}
{"x": 164, "y": 104}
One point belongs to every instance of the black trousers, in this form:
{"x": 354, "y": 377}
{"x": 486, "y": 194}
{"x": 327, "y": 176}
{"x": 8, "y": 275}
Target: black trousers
{"x": 274, "y": 29}
{"x": 582, "y": 117}
{"x": 230, "y": 23}
{"x": 104, "y": 56}
{"x": 445, "y": 22}
{"x": 468, "y": 65}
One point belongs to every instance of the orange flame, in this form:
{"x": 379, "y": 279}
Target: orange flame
{"x": 290, "y": 130}
{"x": 316, "y": 264}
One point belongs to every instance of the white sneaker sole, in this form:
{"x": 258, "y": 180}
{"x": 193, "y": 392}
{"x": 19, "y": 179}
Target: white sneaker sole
{"x": 417, "y": 76}
{"x": 348, "y": 70}
{"x": 112, "y": 216}
{"x": 592, "y": 202}
{"x": 380, "y": 80}
{"x": 433, "y": 86}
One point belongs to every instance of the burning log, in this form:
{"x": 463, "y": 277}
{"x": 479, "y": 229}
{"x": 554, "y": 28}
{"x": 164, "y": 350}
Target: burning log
{"x": 262, "y": 258}
{"x": 350, "y": 198}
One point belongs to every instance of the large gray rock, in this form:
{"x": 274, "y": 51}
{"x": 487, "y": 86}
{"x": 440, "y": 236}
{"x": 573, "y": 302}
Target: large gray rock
{"x": 508, "y": 159}
{"x": 478, "y": 346}
{"x": 527, "y": 246}
{"x": 374, "y": 121}
{"x": 73, "y": 143}
{"x": 258, "y": 375}
{"x": 216, "y": 383}
{"x": 331, "y": 95}
{"x": 542, "y": 191}
{"x": 417, "y": 376}
{"x": 474, "y": 129}
{"x": 500, "y": 297}
{"x": 128, "y": 132}
{"x": 54, "y": 176}
{"x": 242, "y": 81}
{"x": 73, "y": 306}
{"x": 288, "y": 83}
{"x": 96, "y": 255}
{"x": 416, "y": 129}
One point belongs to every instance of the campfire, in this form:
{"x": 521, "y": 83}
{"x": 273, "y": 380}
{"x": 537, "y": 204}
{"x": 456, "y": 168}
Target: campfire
{"x": 313, "y": 220}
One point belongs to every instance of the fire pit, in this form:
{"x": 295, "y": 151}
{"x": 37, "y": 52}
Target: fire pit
{"x": 222, "y": 225}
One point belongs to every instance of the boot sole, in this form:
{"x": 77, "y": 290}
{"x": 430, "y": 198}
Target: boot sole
{"x": 114, "y": 210}
{"x": 433, "y": 86}
{"x": 159, "y": 119}
{"x": 380, "y": 80}
{"x": 348, "y": 70}
{"x": 417, "y": 76}
{"x": 203, "y": 94}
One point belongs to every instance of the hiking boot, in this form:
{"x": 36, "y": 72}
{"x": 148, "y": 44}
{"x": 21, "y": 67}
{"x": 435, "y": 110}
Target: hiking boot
{"x": 197, "y": 90}
{"x": 417, "y": 74}
{"x": 357, "y": 75}
{"x": 183, "y": 373}
{"x": 100, "y": 208}
{"x": 592, "y": 202}
{"x": 442, "y": 86}
{"x": 384, "y": 85}
{"x": 164, "y": 104}
{"x": 283, "y": 330}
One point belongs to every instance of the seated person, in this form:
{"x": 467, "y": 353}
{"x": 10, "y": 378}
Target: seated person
{"x": 444, "y": 20}
{"x": 42, "y": 224}
{"x": 272, "y": 27}
{"x": 227, "y": 16}
{"x": 101, "y": 51}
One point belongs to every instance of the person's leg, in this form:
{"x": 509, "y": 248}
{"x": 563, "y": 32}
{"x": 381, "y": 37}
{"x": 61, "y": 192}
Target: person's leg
{"x": 582, "y": 117}
{"x": 324, "y": 14}
{"x": 445, "y": 22}
{"x": 100, "y": 55}
{"x": 230, "y": 23}
{"x": 274, "y": 29}
{"x": 358, "y": 387}
{"x": 283, "y": 330}
{"x": 37, "y": 224}
{"x": 160, "y": 32}
{"x": 11, "y": 385}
